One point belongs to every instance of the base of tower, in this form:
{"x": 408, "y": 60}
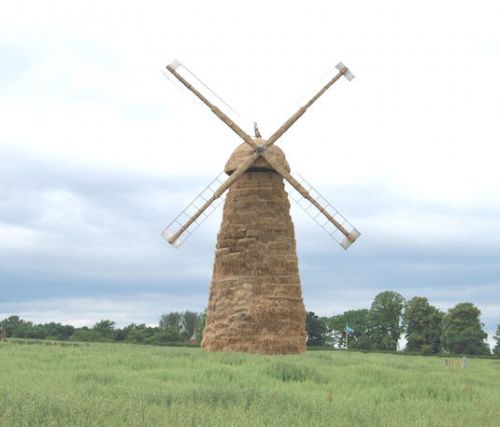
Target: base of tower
{"x": 271, "y": 345}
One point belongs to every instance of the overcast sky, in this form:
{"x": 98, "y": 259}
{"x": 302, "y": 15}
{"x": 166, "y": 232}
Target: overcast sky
{"x": 99, "y": 152}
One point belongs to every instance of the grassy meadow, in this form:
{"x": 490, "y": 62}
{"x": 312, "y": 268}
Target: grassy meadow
{"x": 133, "y": 385}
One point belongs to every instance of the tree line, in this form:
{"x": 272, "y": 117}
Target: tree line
{"x": 427, "y": 330}
{"x": 173, "y": 328}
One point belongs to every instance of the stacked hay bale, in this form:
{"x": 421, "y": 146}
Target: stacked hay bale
{"x": 255, "y": 302}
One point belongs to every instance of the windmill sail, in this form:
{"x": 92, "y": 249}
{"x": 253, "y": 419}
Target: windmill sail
{"x": 190, "y": 211}
{"x": 182, "y": 74}
{"x": 343, "y": 71}
{"x": 345, "y": 235}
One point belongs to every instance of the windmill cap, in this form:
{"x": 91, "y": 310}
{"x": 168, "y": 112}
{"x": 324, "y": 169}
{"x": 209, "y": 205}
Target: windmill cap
{"x": 244, "y": 151}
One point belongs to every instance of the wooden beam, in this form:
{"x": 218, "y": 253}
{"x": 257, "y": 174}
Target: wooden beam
{"x": 234, "y": 127}
{"x": 274, "y": 137}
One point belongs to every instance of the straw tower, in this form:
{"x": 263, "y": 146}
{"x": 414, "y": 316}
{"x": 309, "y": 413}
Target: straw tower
{"x": 255, "y": 302}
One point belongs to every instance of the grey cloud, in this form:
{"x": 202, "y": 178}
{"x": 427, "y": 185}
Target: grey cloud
{"x": 84, "y": 311}
{"x": 97, "y": 237}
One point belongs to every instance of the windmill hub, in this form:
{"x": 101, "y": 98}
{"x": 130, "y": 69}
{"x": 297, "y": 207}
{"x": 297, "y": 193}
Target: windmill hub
{"x": 244, "y": 151}
{"x": 261, "y": 149}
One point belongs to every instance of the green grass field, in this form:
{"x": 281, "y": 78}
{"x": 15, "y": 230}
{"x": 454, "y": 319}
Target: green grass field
{"x": 132, "y": 385}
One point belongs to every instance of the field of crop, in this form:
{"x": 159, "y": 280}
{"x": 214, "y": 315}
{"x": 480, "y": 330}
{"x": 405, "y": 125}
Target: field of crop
{"x": 132, "y": 385}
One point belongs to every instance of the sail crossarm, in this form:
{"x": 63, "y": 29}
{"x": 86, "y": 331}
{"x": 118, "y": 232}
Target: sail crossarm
{"x": 179, "y": 223}
{"x": 340, "y": 229}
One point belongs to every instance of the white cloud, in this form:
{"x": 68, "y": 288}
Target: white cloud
{"x": 15, "y": 237}
{"x": 408, "y": 150}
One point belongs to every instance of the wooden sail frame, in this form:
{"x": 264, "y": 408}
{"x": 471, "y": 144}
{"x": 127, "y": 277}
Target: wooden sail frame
{"x": 260, "y": 150}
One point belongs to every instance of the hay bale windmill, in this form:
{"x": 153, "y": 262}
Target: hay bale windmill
{"x": 255, "y": 302}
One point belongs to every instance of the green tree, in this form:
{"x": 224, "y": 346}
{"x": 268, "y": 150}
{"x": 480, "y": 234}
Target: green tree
{"x": 316, "y": 329}
{"x": 496, "y": 350}
{"x": 385, "y": 320}
{"x": 422, "y": 323}
{"x": 200, "y": 326}
{"x": 104, "y": 330}
{"x": 14, "y": 326}
{"x": 358, "y": 320}
{"x": 138, "y": 334}
{"x": 333, "y": 325}
{"x": 170, "y": 328}
{"x": 171, "y": 321}
{"x": 463, "y": 331}
{"x": 189, "y": 321}
{"x": 85, "y": 334}
{"x": 165, "y": 336}
{"x": 54, "y": 331}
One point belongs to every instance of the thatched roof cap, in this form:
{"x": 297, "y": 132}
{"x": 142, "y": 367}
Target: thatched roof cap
{"x": 244, "y": 151}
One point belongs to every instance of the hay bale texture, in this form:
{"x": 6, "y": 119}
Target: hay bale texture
{"x": 255, "y": 302}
